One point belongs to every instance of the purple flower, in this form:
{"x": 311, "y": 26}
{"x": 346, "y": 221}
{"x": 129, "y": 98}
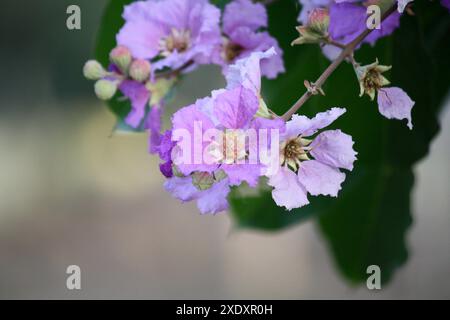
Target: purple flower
{"x": 200, "y": 174}
{"x": 174, "y": 31}
{"x": 311, "y": 166}
{"x": 394, "y": 103}
{"x": 242, "y": 21}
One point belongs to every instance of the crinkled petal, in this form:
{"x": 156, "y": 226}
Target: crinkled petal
{"x": 302, "y": 125}
{"x": 244, "y": 13}
{"x": 394, "y": 103}
{"x": 142, "y": 38}
{"x": 139, "y": 96}
{"x": 236, "y": 107}
{"x": 214, "y": 200}
{"x": 251, "y": 42}
{"x": 320, "y": 179}
{"x": 288, "y": 191}
{"x": 334, "y": 148}
{"x": 153, "y": 124}
{"x": 238, "y": 173}
{"x": 191, "y": 124}
{"x": 247, "y": 71}
{"x": 182, "y": 188}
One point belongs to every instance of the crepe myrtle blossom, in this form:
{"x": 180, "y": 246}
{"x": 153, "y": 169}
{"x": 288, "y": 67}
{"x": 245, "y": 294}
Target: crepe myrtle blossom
{"x": 311, "y": 165}
{"x": 209, "y": 150}
{"x": 173, "y": 33}
{"x": 221, "y": 140}
{"x": 242, "y": 35}
{"x": 393, "y": 102}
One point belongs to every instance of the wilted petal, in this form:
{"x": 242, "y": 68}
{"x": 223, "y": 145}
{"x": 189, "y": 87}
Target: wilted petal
{"x": 394, "y": 103}
{"x": 139, "y": 96}
{"x": 319, "y": 178}
{"x": 214, "y": 200}
{"x": 288, "y": 191}
{"x": 334, "y": 148}
{"x": 235, "y": 108}
{"x": 244, "y": 13}
{"x": 307, "y": 127}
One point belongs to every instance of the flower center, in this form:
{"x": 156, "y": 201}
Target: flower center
{"x": 294, "y": 151}
{"x": 373, "y": 80}
{"x": 231, "y": 149}
{"x": 177, "y": 40}
{"x": 231, "y": 50}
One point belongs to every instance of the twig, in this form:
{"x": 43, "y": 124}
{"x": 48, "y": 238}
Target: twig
{"x": 346, "y": 52}
{"x": 176, "y": 72}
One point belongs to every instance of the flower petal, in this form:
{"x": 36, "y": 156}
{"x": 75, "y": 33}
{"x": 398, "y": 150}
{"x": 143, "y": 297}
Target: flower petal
{"x": 334, "y": 148}
{"x": 244, "y": 13}
{"x": 182, "y": 188}
{"x": 214, "y": 200}
{"x": 319, "y": 178}
{"x": 247, "y": 71}
{"x": 139, "y": 96}
{"x": 307, "y": 127}
{"x": 288, "y": 191}
{"x": 394, "y": 103}
{"x": 235, "y": 108}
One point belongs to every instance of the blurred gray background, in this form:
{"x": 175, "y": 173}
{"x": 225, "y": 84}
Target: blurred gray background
{"x": 70, "y": 194}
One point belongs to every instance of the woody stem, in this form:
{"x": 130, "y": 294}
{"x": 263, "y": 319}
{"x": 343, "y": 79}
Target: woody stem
{"x": 346, "y": 52}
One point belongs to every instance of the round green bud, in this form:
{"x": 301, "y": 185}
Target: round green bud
{"x": 121, "y": 57}
{"x": 93, "y": 70}
{"x": 140, "y": 70}
{"x": 105, "y": 89}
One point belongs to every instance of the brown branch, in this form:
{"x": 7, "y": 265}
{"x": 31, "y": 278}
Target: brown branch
{"x": 346, "y": 52}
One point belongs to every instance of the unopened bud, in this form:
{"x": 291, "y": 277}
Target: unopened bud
{"x": 121, "y": 57}
{"x": 316, "y": 30}
{"x": 105, "y": 89}
{"x": 93, "y": 70}
{"x": 202, "y": 180}
{"x": 140, "y": 70}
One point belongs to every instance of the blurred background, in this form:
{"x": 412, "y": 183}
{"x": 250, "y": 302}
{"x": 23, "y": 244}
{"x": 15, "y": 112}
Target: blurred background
{"x": 70, "y": 193}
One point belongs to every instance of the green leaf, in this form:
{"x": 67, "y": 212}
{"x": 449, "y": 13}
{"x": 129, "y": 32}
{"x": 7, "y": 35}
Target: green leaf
{"x": 367, "y": 223}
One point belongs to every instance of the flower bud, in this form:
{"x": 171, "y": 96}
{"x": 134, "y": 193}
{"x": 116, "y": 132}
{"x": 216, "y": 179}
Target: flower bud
{"x": 105, "y": 89}
{"x": 202, "y": 180}
{"x": 316, "y": 30}
{"x": 371, "y": 79}
{"x": 93, "y": 70}
{"x": 121, "y": 57}
{"x": 140, "y": 70}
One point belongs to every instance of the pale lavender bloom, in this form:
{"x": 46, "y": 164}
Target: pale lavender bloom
{"x": 242, "y": 21}
{"x": 175, "y": 31}
{"x": 311, "y": 166}
{"x": 394, "y": 103}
